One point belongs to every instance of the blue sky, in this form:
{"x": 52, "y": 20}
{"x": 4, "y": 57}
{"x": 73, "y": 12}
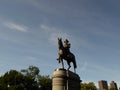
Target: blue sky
{"x": 29, "y": 30}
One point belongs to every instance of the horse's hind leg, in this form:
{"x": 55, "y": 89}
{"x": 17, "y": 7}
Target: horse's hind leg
{"x": 74, "y": 70}
{"x": 69, "y": 66}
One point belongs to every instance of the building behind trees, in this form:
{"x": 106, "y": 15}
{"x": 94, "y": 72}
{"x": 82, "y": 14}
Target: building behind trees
{"x": 103, "y": 85}
{"x": 113, "y": 86}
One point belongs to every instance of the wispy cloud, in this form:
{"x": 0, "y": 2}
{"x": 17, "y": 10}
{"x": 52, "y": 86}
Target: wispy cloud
{"x": 84, "y": 66}
{"x": 54, "y": 33}
{"x": 15, "y": 26}
{"x": 92, "y": 68}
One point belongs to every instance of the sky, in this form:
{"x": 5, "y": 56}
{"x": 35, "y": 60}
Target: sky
{"x": 29, "y": 30}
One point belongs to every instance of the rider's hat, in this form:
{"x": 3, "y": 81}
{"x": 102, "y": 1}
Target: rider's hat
{"x": 66, "y": 41}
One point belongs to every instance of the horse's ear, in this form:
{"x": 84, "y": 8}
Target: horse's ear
{"x": 59, "y": 38}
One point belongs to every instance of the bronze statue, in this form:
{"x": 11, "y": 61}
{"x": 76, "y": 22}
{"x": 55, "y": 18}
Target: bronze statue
{"x": 64, "y": 53}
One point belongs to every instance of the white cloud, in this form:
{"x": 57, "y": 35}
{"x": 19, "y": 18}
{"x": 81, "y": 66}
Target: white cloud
{"x": 15, "y": 26}
{"x": 54, "y": 33}
{"x": 106, "y": 72}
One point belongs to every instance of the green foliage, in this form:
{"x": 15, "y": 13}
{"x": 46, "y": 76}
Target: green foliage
{"x": 45, "y": 83}
{"x": 26, "y": 79}
{"x": 30, "y": 77}
{"x": 32, "y": 71}
{"x": 113, "y": 89}
{"x": 11, "y": 80}
{"x": 88, "y": 86}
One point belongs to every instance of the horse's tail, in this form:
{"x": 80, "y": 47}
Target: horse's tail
{"x": 74, "y": 62}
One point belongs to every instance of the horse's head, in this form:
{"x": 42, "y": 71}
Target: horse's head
{"x": 59, "y": 40}
{"x": 60, "y": 44}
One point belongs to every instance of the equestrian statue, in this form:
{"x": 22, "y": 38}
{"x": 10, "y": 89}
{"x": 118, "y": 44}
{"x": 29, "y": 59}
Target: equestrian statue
{"x": 65, "y": 54}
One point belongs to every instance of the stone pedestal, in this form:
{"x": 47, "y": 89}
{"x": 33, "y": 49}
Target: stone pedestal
{"x": 65, "y": 80}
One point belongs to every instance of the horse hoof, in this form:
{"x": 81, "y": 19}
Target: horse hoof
{"x": 68, "y": 69}
{"x": 58, "y": 60}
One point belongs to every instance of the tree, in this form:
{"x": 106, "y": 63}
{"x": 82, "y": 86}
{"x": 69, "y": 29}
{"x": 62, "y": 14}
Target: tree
{"x": 26, "y": 79}
{"x": 12, "y": 80}
{"x": 113, "y": 89}
{"x": 31, "y": 77}
{"x": 45, "y": 82}
{"x": 88, "y": 86}
{"x": 32, "y": 71}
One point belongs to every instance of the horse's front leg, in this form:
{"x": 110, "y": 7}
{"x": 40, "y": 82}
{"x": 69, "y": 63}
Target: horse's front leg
{"x": 62, "y": 63}
{"x": 59, "y": 59}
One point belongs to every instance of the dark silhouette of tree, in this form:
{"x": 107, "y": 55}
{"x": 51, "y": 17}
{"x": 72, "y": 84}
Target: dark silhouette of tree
{"x": 31, "y": 77}
{"x": 26, "y": 79}
{"x": 45, "y": 82}
{"x": 12, "y": 80}
{"x": 31, "y": 70}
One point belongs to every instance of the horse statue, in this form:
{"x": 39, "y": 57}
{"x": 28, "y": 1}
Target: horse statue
{"x": 65, "y": 54}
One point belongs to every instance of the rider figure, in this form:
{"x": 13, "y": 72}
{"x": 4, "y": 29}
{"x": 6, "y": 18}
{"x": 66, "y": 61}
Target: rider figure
{"x": 67, "y": 46}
